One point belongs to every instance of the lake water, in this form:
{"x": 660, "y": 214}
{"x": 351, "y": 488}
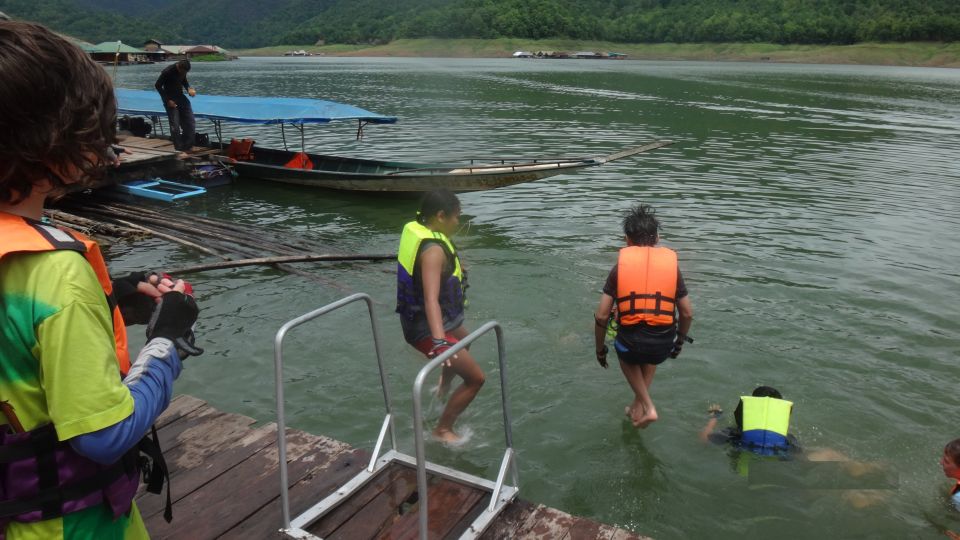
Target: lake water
{"x": 816, "y": 212}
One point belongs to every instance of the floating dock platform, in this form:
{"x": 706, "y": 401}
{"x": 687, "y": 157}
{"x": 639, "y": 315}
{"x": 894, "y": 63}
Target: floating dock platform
{"x": 224, "y": 484}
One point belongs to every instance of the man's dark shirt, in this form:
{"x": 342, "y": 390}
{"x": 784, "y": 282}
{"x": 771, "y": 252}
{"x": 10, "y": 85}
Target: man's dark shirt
{"x": 171, "y": 83}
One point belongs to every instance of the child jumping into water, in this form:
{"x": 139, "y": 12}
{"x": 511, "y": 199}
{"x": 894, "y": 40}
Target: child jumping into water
{"x": 653, "y": 310}
{"x": 430, "y": 300}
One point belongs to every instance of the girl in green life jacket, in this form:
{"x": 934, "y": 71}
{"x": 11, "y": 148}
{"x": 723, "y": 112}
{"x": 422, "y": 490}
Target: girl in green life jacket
{"x": 430, "y": 300}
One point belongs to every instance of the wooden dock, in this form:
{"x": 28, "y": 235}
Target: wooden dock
{"x": 224, "y": 485}
{"x": 141, "y": 151}
{"x": 151, "y": 158}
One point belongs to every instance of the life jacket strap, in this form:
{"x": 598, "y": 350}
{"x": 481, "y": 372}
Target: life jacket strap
{"x": 155, "y": 470}
{"x": 658, "y": 298}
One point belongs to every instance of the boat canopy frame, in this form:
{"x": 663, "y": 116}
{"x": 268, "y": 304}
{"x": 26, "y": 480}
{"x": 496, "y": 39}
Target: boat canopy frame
{"x": 252, "y": 110}
{"x": 501, "y": 493}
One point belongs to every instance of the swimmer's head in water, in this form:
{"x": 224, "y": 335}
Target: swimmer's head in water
{"x": 951, "y": 459}
{"x": 766, "y": 391}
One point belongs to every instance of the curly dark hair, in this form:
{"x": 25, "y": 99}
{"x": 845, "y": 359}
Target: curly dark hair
{"x": 640, "y": 225}
{"x": 58, "y": 112}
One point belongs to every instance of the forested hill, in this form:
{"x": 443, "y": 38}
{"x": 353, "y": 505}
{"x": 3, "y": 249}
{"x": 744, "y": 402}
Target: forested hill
{"x": 255, "y": 23}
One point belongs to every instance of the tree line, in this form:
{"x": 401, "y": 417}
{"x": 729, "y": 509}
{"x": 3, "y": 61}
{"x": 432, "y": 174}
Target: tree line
{"x": 642, "y": 21}
{"x": 254, "y": 23}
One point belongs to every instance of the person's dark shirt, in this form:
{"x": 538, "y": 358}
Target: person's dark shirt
{"x": 171, "y": 83}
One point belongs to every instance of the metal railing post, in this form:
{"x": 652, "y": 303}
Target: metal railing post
{"x": 278, "y": 374}
{"x": 418, "y": 412}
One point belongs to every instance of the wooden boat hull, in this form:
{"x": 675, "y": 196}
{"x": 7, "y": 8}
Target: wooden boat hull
{"x": 460, "y": 181}
{"x": 351, "y": 174}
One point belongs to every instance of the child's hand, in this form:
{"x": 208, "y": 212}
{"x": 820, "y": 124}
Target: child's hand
{"x": 714, "y": 410}
{"x": 602, "y": 356}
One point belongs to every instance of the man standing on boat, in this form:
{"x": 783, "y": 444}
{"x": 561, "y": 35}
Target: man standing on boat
{"x": 171, "y": 84}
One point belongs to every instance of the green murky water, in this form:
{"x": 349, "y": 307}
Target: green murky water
{"x": 815, "y": 210}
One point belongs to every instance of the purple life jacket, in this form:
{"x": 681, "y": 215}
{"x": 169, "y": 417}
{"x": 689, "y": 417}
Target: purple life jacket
{"x": 42, "y": 478}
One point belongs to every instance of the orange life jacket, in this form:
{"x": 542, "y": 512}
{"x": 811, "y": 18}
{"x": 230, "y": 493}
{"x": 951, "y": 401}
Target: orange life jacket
{"x": 20, "y": 234}
{"x": 646, "y": 285}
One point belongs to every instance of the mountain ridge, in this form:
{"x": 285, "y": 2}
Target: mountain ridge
{"x": 255, "y": 23}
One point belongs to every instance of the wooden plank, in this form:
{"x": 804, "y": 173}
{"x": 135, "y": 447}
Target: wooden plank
{"x": 335, "y": 518}
{"x": 447, "y": 503}
{"x": 243, "y": 489}
{"x": 141, "y": 142}
{"x": 587, "y": 529}
{"x": 380, "y": 512}
{"x": 513, "y": 518}
{"x": 550, "y": 523}
{"x": 469, "y": 517}
{"x": 207, "y": 455}
{"x": 623, "y": 534}
{"x": 179, "y": 406}
{"x": 170, "y": 434}
{"x": 267, "y": 521}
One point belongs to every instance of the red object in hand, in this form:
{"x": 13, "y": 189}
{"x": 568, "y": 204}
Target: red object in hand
{"x": 187, "y": 287}
{"x": 441, "y": 346}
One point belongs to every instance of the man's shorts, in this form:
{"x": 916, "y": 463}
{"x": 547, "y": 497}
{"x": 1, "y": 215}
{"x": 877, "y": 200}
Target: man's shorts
{"x": 426, "y": 344}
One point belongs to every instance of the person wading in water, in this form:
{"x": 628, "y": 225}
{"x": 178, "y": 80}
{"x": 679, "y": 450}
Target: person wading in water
{"x": 430, "y": 301}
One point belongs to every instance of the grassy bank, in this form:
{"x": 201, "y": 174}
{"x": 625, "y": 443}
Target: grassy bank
{"x": 930, "y": 54}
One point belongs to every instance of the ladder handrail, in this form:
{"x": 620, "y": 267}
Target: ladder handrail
{"x": 418, "y": 413}
{"x": 278, "y": 373}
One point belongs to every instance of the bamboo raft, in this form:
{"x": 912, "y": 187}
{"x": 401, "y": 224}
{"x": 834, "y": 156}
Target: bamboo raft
{"x": 224, "y": 484}
{"x": 230, "y": 244}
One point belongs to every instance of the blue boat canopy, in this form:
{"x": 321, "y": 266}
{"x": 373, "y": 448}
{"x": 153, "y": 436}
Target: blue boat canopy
{"x": 249, "y": 109}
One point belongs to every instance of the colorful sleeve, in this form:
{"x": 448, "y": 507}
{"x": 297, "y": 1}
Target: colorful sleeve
{"x": 151, "y": 383}
{"x": 78, "y": 362}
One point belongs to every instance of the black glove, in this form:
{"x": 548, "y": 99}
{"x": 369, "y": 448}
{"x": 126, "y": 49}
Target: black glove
{"x": 678, "y": 345}
{"x": 135, "y": 307}
{"x": 173, "y": 319}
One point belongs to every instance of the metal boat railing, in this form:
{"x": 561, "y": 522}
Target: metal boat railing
{"x": 501, "y": 493}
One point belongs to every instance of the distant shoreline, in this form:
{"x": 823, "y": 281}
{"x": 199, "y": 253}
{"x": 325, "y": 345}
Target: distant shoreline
{"x": 920, "y": 54}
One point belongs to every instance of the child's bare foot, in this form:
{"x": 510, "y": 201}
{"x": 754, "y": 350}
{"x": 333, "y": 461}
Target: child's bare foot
{"x": 446, "y": 436}
{"x": 649, "y": 416}
{"x": 633, "y": 413}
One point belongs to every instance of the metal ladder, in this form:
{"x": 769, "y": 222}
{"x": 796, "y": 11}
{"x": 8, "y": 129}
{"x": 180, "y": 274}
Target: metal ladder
{"x": 501, "y": 494}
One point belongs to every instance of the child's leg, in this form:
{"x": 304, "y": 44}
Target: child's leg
{"x": 473, "y": 378}
{"x": 642, "y": 401}
{"x": 649, "y": 370}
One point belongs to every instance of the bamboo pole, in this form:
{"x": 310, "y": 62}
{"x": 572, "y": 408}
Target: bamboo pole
{"x": 283, "y": 259}
{"x": 172, "y": 238}
{"x": 225, "y": 226}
